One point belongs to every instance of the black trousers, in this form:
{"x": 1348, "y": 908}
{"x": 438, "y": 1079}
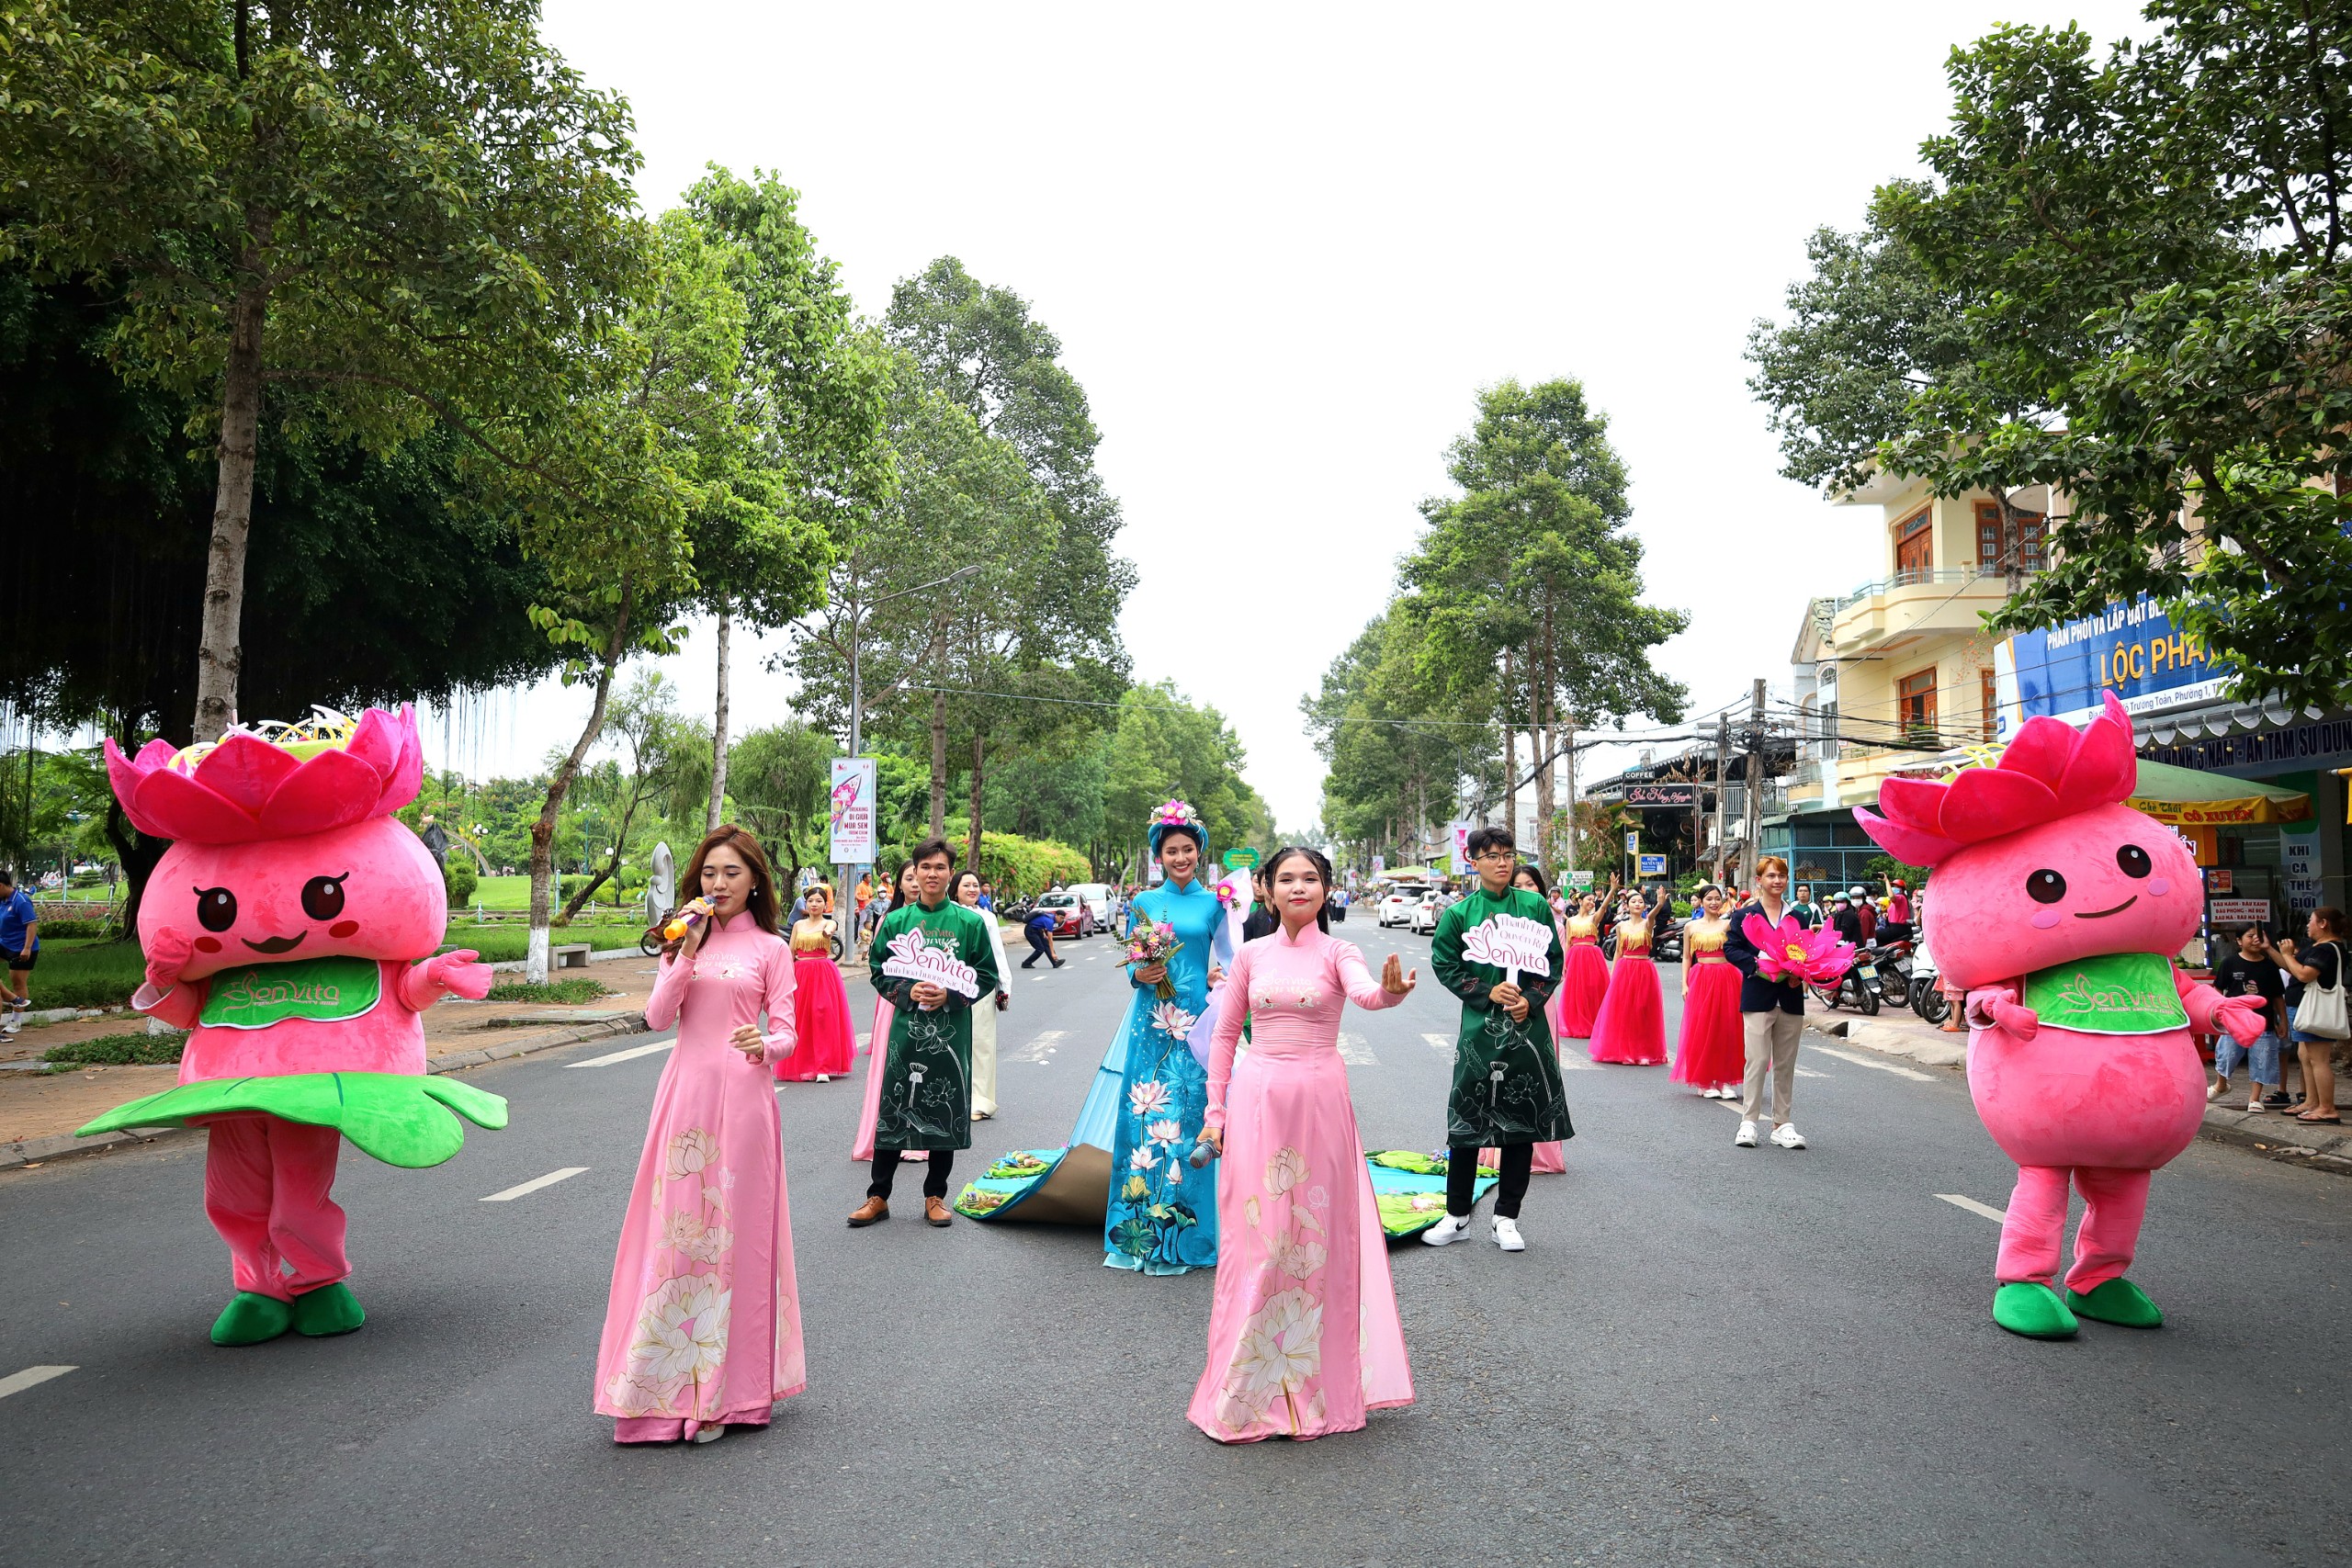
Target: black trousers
{"x": 1461, "y": 1179}
{"x": 1040, "y": 947}
{"x": 934, "y": 1180}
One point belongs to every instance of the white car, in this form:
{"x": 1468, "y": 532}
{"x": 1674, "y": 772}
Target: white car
{"x": 1096, "y": 896}
{"x": 1397, "y": 904}
{"x": 1422, "y": 920}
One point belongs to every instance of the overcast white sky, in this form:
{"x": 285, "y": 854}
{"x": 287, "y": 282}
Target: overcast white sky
{"x": 1285, "y": 245}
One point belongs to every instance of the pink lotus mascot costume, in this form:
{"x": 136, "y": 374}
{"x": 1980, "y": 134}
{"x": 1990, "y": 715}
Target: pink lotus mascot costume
{"x": 284, "y": 929}
{"x": 2058, "y": 908}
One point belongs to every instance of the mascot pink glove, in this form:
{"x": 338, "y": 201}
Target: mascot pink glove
{"x": 447, "y": 974}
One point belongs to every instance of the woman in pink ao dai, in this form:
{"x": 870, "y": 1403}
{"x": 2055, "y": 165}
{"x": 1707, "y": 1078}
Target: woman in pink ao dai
{"x": 703, "y": 1328}
{"x": 1303, "y": 1338}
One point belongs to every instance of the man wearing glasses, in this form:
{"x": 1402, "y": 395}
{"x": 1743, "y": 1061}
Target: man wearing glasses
{"x": 1506, "y": 1089}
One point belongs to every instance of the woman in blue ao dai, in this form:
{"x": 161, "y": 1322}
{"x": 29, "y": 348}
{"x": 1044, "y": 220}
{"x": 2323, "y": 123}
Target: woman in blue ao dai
{"x": 1162, "y": 1213}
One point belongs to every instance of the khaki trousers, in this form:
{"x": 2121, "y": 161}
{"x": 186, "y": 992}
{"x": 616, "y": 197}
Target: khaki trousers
{"x": 1771, "y": 1043}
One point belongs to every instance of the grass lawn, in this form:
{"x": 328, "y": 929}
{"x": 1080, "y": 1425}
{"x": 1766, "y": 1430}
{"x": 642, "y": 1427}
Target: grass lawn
{"x": 515, "y": 892}
{"x": 86, "y": 974}
{"x": 500, "y": 943}
{"x": 566, "y": 992}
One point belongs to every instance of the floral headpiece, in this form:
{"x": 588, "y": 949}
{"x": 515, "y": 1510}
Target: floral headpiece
{"x": 272, "y": 781}
{"x": 1175, "y": 816}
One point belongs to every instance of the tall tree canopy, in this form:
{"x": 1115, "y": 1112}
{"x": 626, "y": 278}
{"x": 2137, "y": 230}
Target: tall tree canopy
{"x": 2126, "y": 280}
{"x": 411, "y": 213}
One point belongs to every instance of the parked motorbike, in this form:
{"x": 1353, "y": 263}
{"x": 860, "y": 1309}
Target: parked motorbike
{"x": 1894, "y": 969}
{"x": 1858, "y": 987}
{"x": 1927, "y": 998}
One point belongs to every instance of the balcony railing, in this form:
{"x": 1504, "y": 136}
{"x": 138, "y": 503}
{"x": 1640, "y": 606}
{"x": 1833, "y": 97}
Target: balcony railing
{"x": 1950, "y": 576}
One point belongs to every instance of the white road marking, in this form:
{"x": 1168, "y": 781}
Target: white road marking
{"x": 549, "y": 1180}
{"x": 1974, "y": 1207}
{"x": 1573, "y": 1060}
{"x": 1037, "y": 1049}
{"x": 1355, "y": 1053}
{"x": 1809, "y": 1072}
{"x": 863, "y": 1040}
{"x": 1440, "y": 1043}
{"x": 31, "y": 1377}
{"x": 1873, "y": 1062}
{"x": 628, "y": 1056}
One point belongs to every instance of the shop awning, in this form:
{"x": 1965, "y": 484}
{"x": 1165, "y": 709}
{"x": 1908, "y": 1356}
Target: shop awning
{"x": 2186, "y": 798}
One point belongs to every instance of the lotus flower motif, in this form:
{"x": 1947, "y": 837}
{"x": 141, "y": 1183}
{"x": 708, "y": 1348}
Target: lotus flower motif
{"x": 249, "y": 788}
{"x": 1790, "y": 949}
{"x": 2050, "y": 771}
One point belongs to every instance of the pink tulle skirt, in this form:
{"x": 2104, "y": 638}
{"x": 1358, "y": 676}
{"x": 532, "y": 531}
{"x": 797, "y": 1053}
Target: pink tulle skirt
{"x": 819, "y": 1021}
{"x": 1582, "y": 987}
{"x": 1631, "y": 1025}
{"x": 1712, "y": 1052}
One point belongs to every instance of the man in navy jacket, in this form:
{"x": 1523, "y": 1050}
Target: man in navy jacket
{"x": 1771, "y": 1012}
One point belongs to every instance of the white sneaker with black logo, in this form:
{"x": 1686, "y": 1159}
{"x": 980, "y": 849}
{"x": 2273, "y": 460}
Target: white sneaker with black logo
{"x": 1447, "y": 1231}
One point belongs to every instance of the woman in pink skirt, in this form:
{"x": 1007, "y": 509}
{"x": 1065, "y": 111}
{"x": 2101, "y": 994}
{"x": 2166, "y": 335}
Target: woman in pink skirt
{"x": 1303, "y": 1338}
{"x": 861, "y": 1148}
{"x": 819, "y": 1001}
{"x": 1631, "y": 1025}
{"x": 1712, "y": 1055}
{"x": 1585, "y": 982}
{"x": 702, "y": 1331}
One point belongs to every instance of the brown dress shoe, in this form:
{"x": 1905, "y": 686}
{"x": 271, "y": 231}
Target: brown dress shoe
{"x": 873, "y": 1209}
{"x": 935, "y": 1209}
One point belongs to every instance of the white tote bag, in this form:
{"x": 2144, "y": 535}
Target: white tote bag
{"x": 2322, "y": 1011}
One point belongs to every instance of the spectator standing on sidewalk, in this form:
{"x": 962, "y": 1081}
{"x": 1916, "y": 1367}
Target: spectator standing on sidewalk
{"x": 1771, "y": 1014}
{"x": 2250, "y": 972}
{"x": 1807, "y": 912}
{"x": 20, "y": 939}
{"x": 2314, "y": 1049}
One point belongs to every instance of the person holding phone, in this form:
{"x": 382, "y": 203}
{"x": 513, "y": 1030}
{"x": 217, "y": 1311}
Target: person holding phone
{"x": 2251, "y": 971}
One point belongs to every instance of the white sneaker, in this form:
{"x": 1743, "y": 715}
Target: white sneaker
{"x": 1507, "y": 1234}
{"x": 1711, "y": 1094}
{"x": 1786, "y": 1136}
{"x": 1446, "y": 1231}
{"x": 1746, "y": 1137}
{"x": 824, "y": 1078}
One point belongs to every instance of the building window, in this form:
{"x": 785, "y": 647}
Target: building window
{"x": 1915, "y": 548}
{"x": 1915, "y": 704}
{"x": 1991, "y": 698}
{"x": 2014, "y": 541}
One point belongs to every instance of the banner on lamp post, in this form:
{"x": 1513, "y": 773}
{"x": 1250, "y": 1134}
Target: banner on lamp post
{"x": 851, "y": 810}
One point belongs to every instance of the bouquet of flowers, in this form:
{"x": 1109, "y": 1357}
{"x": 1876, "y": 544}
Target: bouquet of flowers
{"x": 1789, "y": 949}
{"x": 1154, "y": 942}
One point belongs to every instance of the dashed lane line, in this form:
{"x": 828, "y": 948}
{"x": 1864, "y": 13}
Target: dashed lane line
{"x": 1959, "y": 1201}
{"x": 527, "y": 1188}
{"x": 1809, "y": 1072}
{"x": 1872, "y": 1062}
{"x": 628, "y": 1056}
{"x": 31, "y": 1377}
{"x": 1440, "y": 1043}
{"x": 1355, "y": 1053}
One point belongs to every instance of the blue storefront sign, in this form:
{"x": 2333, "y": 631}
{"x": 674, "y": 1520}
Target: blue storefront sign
{"x": 2133, "y": 650}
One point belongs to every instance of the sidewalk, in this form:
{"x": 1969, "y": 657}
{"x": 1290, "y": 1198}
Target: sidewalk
{"x": 39, "y": 1110}
{"x": 2274, "y": 1137}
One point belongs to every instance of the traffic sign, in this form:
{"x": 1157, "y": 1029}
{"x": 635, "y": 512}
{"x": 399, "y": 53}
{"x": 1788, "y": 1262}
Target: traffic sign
{"x": 1633, "y": 842}
{"x": 1650, "y": 865}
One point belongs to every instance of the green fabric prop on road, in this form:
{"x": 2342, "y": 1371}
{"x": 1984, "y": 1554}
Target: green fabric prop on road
{"x": 926, "y": 1096}
{"x": 1506, "y": 1075}
{"x": 400, "y": 1118}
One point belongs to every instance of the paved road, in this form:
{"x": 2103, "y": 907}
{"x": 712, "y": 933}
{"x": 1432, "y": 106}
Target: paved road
{"x": 1706, "y": 1355}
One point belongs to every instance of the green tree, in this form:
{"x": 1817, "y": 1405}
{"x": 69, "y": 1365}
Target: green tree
{"x": 817, "y": 389}
{"x": 1164, "y": 747}
{"x": 407, "y": 211}
{"x": 2142, "y": 258}
{"x": 644, "y": 723}
{"x": 781, "y": 775}
{"x": 1531, "y": 566}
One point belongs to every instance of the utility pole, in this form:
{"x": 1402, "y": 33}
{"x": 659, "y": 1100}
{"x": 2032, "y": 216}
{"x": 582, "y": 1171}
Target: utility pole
{"x": 1723, "y": 766}
{"x": 1568, "y": 752}
{"x": 1754, "y": 825}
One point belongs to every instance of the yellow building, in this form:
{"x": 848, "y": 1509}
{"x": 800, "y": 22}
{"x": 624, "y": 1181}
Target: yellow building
{"x": 1900, "y": 668}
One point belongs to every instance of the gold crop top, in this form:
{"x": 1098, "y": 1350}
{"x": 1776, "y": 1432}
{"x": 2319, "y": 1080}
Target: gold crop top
{"x": 1704, "y": 939}
{"x": 1583, "y": 928}
{"x": 808, "y": 936}
{"x": 1634, "y": 938}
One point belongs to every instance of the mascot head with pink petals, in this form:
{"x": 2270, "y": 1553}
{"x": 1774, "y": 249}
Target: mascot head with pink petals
{"x": 2038, "y": 860}
{"x": 284, "y": 844}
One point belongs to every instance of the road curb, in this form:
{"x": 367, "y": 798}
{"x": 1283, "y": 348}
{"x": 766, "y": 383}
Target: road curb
{"x": 65, "y": 1146}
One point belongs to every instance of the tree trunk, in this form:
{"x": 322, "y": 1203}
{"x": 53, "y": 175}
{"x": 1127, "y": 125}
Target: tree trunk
{"x": 939, "y": 740}
{"x": 579, "y": 901}
{"x": 535, "y": 962}
{"x": 1539, "y": 680}
{"x": 219, "y": 648}
{"x": 718, "y": 724}
{"x": 1510, "y": 758}
{"x": 979, "y": 759}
